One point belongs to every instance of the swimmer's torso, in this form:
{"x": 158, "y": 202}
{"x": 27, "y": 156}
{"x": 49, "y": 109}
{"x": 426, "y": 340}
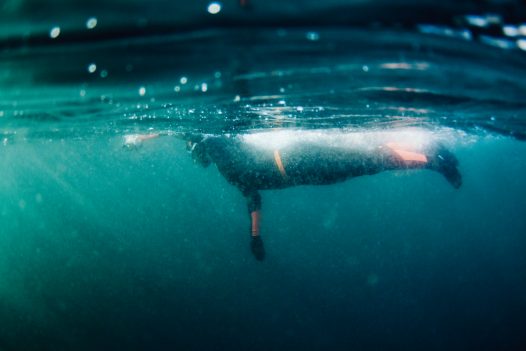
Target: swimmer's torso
{"x": 301, "y": 163}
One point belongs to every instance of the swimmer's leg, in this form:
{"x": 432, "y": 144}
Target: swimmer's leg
{"x": 444, "y": 162}
{"x": 254, "y": 209}
{"x": 438, "y": 159}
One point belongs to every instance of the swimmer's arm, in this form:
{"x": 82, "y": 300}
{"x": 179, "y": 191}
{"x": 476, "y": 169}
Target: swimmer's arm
{"x": 133, "y": 140}
{"x": 136, "y": 140}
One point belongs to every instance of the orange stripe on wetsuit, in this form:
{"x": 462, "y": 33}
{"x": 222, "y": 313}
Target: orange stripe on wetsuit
{"x": 254, "y": 219}
{"x": 279, "y": 164}
{"x": 405, "y": 155}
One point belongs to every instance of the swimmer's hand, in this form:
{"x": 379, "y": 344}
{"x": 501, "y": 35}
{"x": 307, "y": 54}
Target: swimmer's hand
{"x": 257, "y": 248}
{"x": 132, "y": 141}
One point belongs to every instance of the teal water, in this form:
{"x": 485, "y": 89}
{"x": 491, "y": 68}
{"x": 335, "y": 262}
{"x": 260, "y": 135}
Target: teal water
{"x": 104, "y": 246}
{"x": 146, "y": 249}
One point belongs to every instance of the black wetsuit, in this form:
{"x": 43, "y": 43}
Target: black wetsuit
{"x": 251, "y": 169}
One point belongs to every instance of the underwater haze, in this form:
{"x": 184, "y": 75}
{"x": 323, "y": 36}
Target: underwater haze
{"x": 128, "y": 140}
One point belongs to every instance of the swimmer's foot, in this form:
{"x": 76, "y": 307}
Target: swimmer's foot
{"x": 444, "y": 162}
{"x": 257, "y": 248}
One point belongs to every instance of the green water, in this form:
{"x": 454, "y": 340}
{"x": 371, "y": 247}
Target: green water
{"x": 105, "y": 247}
{"x": 143, "y": 247}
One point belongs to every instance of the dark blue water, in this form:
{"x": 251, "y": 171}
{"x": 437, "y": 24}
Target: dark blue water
{"x": 106, "y": 246}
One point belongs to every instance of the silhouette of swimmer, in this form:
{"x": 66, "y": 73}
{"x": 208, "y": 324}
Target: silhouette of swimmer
{"x": 271, "y": 160}
{"x": 276, "y": 160}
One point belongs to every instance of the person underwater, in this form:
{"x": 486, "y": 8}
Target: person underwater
{"x": 279, "y": 159}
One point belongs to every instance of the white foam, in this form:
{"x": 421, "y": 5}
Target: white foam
{"x": 415, "y": 138}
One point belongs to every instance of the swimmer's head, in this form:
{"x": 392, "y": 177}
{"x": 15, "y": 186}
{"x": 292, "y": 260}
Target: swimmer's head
{"x": 197, "y": 149}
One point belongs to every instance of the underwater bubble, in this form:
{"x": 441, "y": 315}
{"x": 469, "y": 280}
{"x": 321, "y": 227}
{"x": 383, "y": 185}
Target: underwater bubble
{"x": 214, "y": 8}
{"x": 91, "y": 23}
{"x": 183, "y": 80}
{"x": 313, "y": 36}
{"x": 92, "y": 68}
{"x": 477, "y": 21}
{"x": 54, "y": 32}
{"x": 103, "y": 73}
{"x": 511, "y": 31}
{"x": 204, "y": 87}
{"x": 142, "y": 91}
